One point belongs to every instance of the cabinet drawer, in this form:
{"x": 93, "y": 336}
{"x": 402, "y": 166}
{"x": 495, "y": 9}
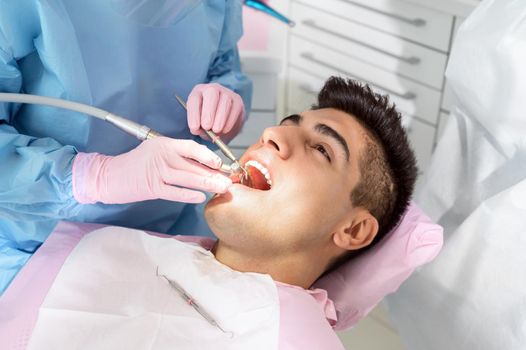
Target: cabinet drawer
{"x": 264, "y": 91}
{"x": 422, "y": 138}
{"x": 375, "y": 47}
{"x": 400, "y": 18}
{"x": 302, "y": 90}
{"x": 410, "y": 97}
{"x": 254, "y": 126}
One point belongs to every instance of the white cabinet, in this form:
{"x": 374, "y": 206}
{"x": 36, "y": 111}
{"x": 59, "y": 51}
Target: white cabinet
{"x": 377, "y": 48}
{"x": 410, "y": 97}
{"x": 302, "y": 89}
{"x": 398, "y": 47}
{"x": 263, "y": 71}
{"x": 396, "y": 17}
{"x": 421, "y": 136}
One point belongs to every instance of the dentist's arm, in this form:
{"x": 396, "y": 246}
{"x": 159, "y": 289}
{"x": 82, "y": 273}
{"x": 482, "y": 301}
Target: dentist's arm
{"x": 35, "y": 175}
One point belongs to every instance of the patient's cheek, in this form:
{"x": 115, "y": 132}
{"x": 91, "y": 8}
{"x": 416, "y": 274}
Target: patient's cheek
{"x": 217, "y": 200}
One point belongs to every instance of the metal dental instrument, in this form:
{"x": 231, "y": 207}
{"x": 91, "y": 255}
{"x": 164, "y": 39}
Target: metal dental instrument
{"x": 188, "y": 298}
{"x": 235, "y": 167}
{"x": 142, "y": 132}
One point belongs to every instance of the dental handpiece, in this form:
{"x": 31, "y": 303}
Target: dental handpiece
{"x": 141, "y": 132}
{"x": 235, "y": 167}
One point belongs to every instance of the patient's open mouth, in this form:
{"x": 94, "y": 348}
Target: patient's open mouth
{"x": 257, "y": 176}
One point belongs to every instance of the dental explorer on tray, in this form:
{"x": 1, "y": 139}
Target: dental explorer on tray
{"x": 191, "y": 301}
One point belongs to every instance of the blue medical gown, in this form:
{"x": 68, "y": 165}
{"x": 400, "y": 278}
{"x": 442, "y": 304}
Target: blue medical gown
{"x": 125, "y": 56}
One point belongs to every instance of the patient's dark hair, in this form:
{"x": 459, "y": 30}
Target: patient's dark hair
{"x": 387, "y": 164}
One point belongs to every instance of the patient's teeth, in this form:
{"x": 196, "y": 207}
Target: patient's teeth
{"x": 261, "y": 168}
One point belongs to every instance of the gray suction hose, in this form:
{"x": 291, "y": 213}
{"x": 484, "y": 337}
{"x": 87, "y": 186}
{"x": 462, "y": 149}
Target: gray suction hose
{"x": 142, "y": 132}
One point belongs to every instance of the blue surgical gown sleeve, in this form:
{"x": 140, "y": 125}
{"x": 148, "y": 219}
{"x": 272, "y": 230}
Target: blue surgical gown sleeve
{"x": 226, "y": 67}
{"x": 53, "y": 48}
{"x": 36, "y": 172}
{"x": 35, "y": 176}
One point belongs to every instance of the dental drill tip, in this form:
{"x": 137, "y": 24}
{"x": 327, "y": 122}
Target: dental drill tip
{"x": 235, "y": 167}
{"x": 226, "y": 168}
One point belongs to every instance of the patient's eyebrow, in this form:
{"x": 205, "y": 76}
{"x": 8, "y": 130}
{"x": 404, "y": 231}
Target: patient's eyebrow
{"x": 326, "y": 130}
{"x": 323, "y": 129}
{"x": 293, "y": 118}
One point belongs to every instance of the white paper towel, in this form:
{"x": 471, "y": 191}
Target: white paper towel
{"x": 108, "y": 296}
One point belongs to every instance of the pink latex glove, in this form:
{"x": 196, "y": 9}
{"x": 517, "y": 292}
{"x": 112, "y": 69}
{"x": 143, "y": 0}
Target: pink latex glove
{"x": 162, "y": 168}
{"x": 214, "y": 107}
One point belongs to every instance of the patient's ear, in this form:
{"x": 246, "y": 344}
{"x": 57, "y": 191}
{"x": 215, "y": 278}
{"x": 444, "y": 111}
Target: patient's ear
{"x": 357, "y": 231}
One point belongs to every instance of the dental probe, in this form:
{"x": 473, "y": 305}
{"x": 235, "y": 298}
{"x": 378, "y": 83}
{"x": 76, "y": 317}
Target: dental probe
{"x": 191, "y": 301}
{"x": 235, "y": 167}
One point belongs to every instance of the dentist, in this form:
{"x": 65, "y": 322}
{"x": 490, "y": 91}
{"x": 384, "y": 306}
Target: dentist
{"x": 128, "y": 57}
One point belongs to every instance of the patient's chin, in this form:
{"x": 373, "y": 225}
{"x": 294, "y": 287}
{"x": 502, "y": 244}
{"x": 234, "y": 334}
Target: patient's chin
{"x": 217, "y": 211}
{"x": 219, "y": 221}
{"x": 219, "y": 201}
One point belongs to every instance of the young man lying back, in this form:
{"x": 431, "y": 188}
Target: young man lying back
{"x": 322, "y": 186}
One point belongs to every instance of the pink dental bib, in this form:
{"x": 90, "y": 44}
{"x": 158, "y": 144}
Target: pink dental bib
{"x": 304, "y": 315}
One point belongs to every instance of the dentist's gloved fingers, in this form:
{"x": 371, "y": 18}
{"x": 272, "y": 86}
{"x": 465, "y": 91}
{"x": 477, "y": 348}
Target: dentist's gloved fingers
{"x": 222, "y": 113}
{"x": 216, "y": 183}
{"x": 194, "y": 105}
{"x": 197, "y": 169}
{"x": 216, "y": 108}
{"x": 237, "y": 115}
{"x": 183, "y": 195}
{"x": 191, "y": 166}
{"x": 192, "y": 150}
{"x": 143, "y": 173}
{"x": 211, "y": 94}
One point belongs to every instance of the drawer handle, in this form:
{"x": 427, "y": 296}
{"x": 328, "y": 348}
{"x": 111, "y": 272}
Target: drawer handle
{"x": 307, "y": 89}
{"x": 310, "y": 57}
{"x": 417, "y": 22}
{"x": 413, "y": 60}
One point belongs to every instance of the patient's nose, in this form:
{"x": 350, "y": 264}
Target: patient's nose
{"x": 276, "y": 138}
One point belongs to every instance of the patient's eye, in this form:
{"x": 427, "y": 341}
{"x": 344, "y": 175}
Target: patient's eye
{"x": 320, "y": 148}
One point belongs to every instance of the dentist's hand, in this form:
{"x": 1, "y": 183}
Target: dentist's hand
{"x": 162, "y": 168}
{"x": 214, "y": 107}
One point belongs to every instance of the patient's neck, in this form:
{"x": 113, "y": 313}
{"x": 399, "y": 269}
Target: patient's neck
{"x": 300, "y": 269}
